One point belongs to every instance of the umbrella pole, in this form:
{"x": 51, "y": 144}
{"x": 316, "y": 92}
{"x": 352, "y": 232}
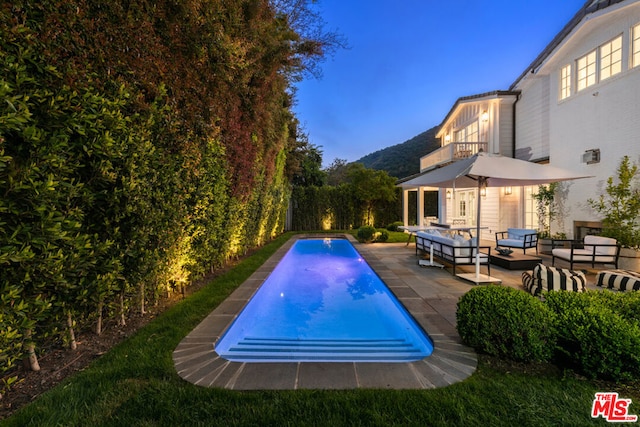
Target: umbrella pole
{"x": 481, "y": 182}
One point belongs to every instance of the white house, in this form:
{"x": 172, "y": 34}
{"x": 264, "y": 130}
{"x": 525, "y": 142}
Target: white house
{"x": 577, "y": 106}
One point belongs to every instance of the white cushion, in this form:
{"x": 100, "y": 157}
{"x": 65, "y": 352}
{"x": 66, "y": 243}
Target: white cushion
{"x": 583, "y": 255}
{"x": 590, "y": 241}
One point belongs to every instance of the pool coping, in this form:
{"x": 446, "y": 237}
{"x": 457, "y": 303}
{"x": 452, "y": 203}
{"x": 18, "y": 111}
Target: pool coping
{"x": 451, "y": 361}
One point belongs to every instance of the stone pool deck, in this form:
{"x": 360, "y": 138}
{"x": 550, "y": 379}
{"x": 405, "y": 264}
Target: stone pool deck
{"x": 429, "y": 294}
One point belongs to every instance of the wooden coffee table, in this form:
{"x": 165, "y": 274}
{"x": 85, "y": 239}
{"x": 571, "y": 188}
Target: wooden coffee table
{"x": 515, "y": 261}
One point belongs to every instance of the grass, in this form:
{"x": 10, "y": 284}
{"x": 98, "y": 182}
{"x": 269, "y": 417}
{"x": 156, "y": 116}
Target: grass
{"x": 135, "y": 384}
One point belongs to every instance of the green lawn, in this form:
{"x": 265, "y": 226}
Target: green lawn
{"x": 135, "y": 385}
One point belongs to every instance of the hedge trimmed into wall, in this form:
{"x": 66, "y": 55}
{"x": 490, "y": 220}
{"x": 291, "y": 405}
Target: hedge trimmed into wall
{"x": 142, "y": 145}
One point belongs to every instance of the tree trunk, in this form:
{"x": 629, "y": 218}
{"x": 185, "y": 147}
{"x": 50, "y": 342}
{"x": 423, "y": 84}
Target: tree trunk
{"x": 99, "y": 321}
{"x": 122, "y": 321}
{"x": 142, "y": 307}
{"x": 31, "y": 352}
{"x": 72, "y": 336}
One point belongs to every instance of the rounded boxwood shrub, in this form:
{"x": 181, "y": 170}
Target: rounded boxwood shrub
{"x": 381, "y": 236}
{"x": 394, "y": 226}
{"x": 365, "y": 233}
{"x": 598, "y": 334}
{"x": 507, "y": 323}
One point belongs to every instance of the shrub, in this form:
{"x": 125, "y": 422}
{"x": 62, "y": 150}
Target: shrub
{"x": 365, "y": 234}
{"x": 506, "y": 322}
{"x": 597, "y": 333}
{"x": 381, "y": 236}
{"x": 394, "y": 226}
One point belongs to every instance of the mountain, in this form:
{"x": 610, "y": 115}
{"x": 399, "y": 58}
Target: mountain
{"x": 402, "y": 160}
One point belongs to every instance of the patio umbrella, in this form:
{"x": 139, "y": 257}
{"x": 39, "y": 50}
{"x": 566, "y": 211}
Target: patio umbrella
{"x": 490, "y": 170}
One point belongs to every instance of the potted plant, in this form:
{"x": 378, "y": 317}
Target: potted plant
{"x": 546, "y": 211}
{"x": 620, "y": 211}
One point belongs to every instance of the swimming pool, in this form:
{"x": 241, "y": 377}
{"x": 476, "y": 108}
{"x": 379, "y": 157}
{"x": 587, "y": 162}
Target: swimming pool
{"x": 323, "y": 303}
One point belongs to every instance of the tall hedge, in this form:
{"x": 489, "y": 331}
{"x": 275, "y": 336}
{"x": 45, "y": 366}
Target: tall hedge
{"x": 339, "y": 208}
{"x": 142, "y": 145}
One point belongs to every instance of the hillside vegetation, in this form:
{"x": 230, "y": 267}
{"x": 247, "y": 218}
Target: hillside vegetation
{"x": 402, "y": 160}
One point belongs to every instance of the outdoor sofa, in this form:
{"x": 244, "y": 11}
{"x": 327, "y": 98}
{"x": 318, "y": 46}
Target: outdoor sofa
{"x": 592, "y": 250}
{"x": 521, "y": 238}
{"x": 452, "y": 249}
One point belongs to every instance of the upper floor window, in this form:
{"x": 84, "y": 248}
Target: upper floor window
{"x": 565, "y": 81}
{"x": 468, "y": 134}
{"x": 635, "y": 46}
{"x": 586, "y": 70}
{"x": 611, "y": 58}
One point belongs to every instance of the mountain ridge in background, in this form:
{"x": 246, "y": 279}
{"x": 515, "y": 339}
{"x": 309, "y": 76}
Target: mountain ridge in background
{"x": 403, "y": 160}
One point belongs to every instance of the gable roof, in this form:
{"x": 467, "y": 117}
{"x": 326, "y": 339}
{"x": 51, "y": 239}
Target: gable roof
{"x": 486, "y": 95}
{"x": 588, "y": 8}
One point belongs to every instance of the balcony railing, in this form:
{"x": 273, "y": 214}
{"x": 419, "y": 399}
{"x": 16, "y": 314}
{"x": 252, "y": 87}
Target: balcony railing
{"x": 450, "y": 153}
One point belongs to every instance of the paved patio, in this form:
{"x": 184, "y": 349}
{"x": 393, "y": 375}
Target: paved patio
{"x": 429, "y": 294}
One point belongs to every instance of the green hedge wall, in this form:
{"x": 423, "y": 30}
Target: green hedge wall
{"x": 137, "y": 153}
{"x": 338, "y": 208}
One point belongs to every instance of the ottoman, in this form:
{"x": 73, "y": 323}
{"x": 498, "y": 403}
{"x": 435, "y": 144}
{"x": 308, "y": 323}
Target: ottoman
{"x": 545, "y": 278}
{"x": 620, "y": 280}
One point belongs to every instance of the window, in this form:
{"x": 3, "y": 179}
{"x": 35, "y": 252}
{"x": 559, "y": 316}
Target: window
{"x": 565, "y": 81}
{"x": 586, "y": 70}
{"x": 611, "y": 58}
{"x": 530, "y": 208}
{"x": 635, "y": 46}
{"x": 468, "y": 134}
{"x": 472, "y": 132}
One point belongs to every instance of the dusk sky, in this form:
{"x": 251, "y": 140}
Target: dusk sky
{"x": 410, "y": 60}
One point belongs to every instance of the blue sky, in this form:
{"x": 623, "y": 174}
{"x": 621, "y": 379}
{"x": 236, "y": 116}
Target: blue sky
{"x": 409, "y": 60}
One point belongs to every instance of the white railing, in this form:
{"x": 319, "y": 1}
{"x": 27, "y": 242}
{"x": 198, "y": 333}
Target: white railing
{"x": 450, "y": 153}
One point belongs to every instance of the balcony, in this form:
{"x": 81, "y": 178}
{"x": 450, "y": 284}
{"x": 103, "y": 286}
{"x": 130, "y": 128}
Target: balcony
{"x": 450, "y": 153}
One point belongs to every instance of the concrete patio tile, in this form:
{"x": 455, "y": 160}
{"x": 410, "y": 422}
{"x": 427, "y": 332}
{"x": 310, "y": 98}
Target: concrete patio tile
{"x": 231, "y": 306}
{"x": 416, "y": 306}
{"x": 387, "y": 375}
{"x": 327, "y": 376}
{"x": 201, "y": 370}
{"x": 211, "y": 329}
{"x": 430, "y": 374}
{"x": 455, "y": 370}
{"x": 195, "y": 360}
{"x": 224, "y": 375}
{"x": 404, "y": 293}
{"x": 269, "y": 376}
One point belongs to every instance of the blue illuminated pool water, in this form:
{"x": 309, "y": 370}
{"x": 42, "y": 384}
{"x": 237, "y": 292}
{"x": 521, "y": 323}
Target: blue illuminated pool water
{"x": 323, "y": 302}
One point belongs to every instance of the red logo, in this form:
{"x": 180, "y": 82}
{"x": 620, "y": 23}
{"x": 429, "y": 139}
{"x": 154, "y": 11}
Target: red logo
{"x": 612, "y": 408}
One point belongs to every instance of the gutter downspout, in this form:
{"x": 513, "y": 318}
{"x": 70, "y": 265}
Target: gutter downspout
{"x": 513, "y": 128}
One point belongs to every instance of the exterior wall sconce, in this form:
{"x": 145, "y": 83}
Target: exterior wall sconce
{"x": 485, "y": 116}
{"x": 483, "y": 192}
{"x": 447, "y": 138}
{"x": 508, "y": 191}
{"x": 448, "y": 194}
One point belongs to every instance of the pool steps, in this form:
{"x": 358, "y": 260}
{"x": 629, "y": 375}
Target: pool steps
{"x": 328, "y": 350}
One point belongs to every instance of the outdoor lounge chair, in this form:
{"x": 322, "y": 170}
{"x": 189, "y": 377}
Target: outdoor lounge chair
{"x": 593, "y": 250}
{"x": 522, "y": 238}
